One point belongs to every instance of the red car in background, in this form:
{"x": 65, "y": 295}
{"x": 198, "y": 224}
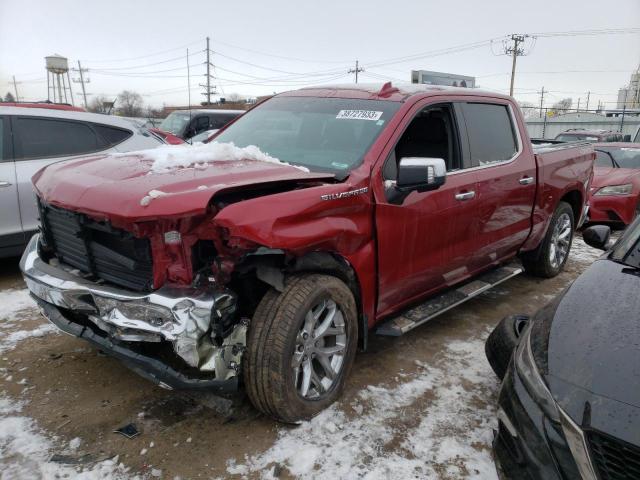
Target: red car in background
{"x": 52, "y": 106}
{"x": 615, "y": 191}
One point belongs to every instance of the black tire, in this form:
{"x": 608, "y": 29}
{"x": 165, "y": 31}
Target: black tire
{"x": 502, "y": 341}
{"x": 538, "y": 262}
{"x": 273, "y": 334}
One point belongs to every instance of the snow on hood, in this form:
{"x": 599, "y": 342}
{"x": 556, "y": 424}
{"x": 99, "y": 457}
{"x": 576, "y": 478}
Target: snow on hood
{"x": 170, "y": 157}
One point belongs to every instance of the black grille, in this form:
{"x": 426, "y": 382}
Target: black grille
{"x": 614, "y": 459}
{"x": 98, "y": 249}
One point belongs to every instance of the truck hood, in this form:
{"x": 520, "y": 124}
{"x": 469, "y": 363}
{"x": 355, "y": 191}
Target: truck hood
{"x": 125, "y": 186}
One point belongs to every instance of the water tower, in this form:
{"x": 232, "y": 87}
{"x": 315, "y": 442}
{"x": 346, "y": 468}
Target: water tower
{"x": 58, "y": 83}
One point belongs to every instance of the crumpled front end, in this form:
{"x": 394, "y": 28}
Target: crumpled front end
{"x": 170, "y": 331}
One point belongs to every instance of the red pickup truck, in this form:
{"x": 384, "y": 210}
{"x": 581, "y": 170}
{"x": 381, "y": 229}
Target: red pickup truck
{"x": 267, "y": 256}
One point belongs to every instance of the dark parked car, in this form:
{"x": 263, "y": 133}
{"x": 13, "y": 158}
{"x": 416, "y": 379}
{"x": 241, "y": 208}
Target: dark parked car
{"x": 599, "y": 136}
{"x": 186, "y": 124}
{"x": 569, "y": 406}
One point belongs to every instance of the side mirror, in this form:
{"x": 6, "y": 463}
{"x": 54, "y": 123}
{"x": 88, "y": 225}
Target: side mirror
{"x": 627, "y": 138}
{"x": 421, "y": 174}
{"x": 597, "y": 236}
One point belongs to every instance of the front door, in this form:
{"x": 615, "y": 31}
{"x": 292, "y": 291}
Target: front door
{"x": 425, "y": 243}
{"x": 10, "y": 227}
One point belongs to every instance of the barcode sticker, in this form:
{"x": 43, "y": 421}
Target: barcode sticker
{"x": 359, "y": 114}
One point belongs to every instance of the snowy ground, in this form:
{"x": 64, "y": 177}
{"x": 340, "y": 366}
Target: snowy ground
{"x": 421, "y": 406}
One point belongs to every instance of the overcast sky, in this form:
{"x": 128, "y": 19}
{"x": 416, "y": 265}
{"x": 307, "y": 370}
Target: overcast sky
{"x": 142, "y": 45}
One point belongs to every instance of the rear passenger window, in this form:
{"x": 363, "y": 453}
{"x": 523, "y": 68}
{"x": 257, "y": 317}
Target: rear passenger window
{"x": 491, "y": 133}
{"x": 41, "y": 138}
{"x": 110, "y": 136}
{"x": 1, "y": 139}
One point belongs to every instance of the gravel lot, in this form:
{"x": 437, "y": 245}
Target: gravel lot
{"x": 418, "y": 406}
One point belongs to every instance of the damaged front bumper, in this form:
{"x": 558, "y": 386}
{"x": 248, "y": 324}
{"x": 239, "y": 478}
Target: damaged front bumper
{"x": 126, "y": 323}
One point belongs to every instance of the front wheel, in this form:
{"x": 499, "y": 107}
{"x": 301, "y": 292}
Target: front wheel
{"x": 549, "y": 258}
{"x": 300, "y": 347}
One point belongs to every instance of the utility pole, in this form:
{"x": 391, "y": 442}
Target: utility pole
{"x": 82, "y": 81}
{"x": 588, "y": 95}
{"x": 209, "y": 90}
{"x": 15, "y": 87}
{"x": 515, "y": 51}
{"x": 356, "y": 70}
{"x": 541, "y": 100}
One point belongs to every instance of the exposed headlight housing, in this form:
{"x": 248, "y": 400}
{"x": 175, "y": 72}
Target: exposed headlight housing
{"x": 530, "y": 376}
{"x": 616, "y": 190}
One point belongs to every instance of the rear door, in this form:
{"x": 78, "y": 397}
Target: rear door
{"x": 40, "y": 141}
{"x": 506, "y": 174}
{"x": 10, "y": 227}
{"x": 425, "y": 242}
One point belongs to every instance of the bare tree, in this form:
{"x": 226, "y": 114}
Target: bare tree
{"x": 529, "y": 110}
{"x": 561, "y": 106}
{"x": 9, "y": 97}
{"x": 234, "y": 98}
{"x": 130, "y": 104}
{"x": 99, "y": 104}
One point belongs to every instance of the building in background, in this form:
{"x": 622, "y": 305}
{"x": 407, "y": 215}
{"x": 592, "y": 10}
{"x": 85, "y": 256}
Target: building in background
{"x": 441, "y": 78}
{"x": 629, "y": 96}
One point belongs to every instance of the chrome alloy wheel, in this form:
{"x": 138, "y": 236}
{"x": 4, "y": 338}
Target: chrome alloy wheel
{"x": 560, "y": 241}
{"x": 320, "y": 349}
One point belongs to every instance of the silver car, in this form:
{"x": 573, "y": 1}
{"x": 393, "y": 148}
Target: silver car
{"x": 31, "y": 138}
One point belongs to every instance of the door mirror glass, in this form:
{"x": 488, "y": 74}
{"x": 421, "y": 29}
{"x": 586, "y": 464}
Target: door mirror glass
{"x": 421, "y": 174}
{"x": 597, "y": 236}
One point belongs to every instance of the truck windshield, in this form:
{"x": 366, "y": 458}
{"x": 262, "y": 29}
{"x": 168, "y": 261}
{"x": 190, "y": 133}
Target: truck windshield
{"x": 322, "y": 134}
{"x": 174, "y": 123}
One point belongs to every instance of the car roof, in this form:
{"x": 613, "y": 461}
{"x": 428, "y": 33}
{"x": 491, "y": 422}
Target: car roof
{"x": 211, "y": 110}
{"x": 47, "y": 105}
{"x": 581, "y": 131}
{"x": 386, "y": 91}
{"x": 616, "y": 145}
{"x": 69, "y": 115}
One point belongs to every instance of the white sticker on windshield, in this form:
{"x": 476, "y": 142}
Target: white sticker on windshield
{"x": 359, "y": 114}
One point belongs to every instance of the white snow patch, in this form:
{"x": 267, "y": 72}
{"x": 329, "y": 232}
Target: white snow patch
{"x": 26, "y": 452}
{"x": 13, "y": 301}
{"x": 169, "y": 157}
{"x": 454, "y": 430}
{"x": 146, "y": 200}
{"x": 10, "y": 340}
{"x": 75, "y": 443}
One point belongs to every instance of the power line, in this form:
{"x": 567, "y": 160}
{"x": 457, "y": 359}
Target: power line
{"x": 133, "y": 67}
{"x": 144, "y": 56}
{"x": 295, "y": 59}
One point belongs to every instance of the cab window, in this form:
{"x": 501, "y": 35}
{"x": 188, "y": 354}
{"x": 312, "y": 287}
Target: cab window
{"x": 431, "y": 134}
{"x": 491, "y": 132}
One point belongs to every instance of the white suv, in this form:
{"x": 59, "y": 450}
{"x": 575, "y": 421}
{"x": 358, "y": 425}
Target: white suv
{"x": 31, "y": 138}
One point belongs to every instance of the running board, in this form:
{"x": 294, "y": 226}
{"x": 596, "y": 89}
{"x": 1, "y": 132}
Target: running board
{"x": 433, "y": 307}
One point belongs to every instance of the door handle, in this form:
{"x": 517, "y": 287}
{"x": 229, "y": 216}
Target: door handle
{"x": 4, "y": 184}
{"x": 465, "y": 196}
{"x": 526, "y": 181}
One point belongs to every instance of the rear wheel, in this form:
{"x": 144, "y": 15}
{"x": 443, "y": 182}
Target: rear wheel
{"x": 301, "y": 346}
{"x": 549, "y": 258}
